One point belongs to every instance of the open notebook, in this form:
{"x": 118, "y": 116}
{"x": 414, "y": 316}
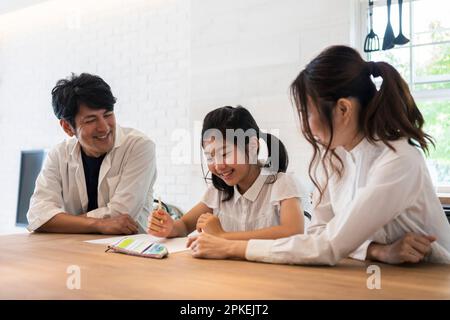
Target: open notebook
{"x": 139, "y": 247}
{"x": 143, "y": 245}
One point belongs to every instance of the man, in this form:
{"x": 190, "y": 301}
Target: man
{"x": 101, "y": 179}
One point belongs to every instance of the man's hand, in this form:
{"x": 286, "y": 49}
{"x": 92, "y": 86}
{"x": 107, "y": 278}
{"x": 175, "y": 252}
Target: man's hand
{"x": 210, "y": 223}
{"x": 411, "y": 248}
{"x": 122, "y": 224}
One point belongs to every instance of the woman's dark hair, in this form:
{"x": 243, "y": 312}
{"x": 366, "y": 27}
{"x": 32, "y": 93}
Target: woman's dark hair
{"x": 88, "y": 89}
{"x": 239, "y": 118}
{"x": 385, "y": 115}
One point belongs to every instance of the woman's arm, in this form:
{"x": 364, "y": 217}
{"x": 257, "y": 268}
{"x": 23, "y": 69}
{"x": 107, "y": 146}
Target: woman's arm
{"x": 393, "y": 185}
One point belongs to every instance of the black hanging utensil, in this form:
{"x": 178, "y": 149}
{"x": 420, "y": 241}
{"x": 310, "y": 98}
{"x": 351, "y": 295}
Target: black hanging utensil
{"x": 372, "y": 43}
{"x": 389, "y": 37}
{"x": 401, "y": 39}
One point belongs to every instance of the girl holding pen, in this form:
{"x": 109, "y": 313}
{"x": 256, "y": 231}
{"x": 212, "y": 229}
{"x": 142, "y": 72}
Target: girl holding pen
{"x": 247, "y": 199}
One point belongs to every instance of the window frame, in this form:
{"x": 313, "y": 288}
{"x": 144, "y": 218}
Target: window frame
{"x": 360, "y": 7}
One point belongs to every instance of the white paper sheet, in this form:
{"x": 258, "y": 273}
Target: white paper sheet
{"x": 173, "y": 245}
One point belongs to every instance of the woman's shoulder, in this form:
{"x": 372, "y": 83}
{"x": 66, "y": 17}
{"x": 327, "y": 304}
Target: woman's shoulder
{"x": 403, "y": 155}
{"x": 402, "y": 150}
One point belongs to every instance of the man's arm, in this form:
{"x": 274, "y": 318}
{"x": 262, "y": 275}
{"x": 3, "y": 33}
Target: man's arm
{"x": 46, "y": 201}
{"x": 67, "y": 223}
{"x": 46, "y": 213}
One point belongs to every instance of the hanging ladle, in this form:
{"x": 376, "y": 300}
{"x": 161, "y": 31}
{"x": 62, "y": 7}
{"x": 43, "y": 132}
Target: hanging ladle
{"x": 401, "y": 39}
{"x": 389, "y": 37}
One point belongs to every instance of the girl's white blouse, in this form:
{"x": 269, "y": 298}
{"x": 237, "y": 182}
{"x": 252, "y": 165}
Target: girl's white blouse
{"x": 258, "y": 207}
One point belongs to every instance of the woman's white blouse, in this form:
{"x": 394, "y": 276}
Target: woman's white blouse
{"x": 258, "y": 207}
{"x": 382, "y": 195}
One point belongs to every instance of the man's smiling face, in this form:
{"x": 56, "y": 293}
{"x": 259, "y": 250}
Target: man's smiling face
{"x": 95, "y": 130}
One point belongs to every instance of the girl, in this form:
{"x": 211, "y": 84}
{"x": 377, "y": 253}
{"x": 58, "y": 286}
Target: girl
{"x": 373, "y": 198}
{"x": 246, "y": 200}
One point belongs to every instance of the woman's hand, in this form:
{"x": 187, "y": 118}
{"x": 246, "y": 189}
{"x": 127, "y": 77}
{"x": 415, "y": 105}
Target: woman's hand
{"x": 411, "y": 248}
{"x": 160, "y": 224}
{"x": 210, "y": 223}
{"x": 212, "y": 247}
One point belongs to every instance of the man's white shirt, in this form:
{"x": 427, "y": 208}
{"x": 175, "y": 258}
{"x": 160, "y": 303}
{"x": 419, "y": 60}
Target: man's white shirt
{"x": 125, "y": 182}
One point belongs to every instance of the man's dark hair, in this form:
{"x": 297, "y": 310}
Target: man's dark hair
{"x": 88, "y": 89}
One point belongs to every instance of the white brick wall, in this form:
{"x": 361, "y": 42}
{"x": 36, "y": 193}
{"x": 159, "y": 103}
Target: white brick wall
{"x": 249, "y": 52}
{"x": 168, "y": 62}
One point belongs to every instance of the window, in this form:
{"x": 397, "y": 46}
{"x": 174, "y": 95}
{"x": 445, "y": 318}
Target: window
{"x": 424, "y": 62}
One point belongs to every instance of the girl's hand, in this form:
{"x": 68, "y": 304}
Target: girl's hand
{"x": 210, "y": 223}
{"x": 411, "y": 248}
{"x": 160, "y": 224}
{"x": 212, "y": 247}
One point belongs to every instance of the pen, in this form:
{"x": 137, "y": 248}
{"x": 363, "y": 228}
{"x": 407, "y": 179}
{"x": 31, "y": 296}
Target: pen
{"x": 160, "y": 208}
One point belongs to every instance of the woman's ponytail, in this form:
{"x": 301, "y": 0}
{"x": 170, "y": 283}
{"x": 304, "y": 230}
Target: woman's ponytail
{"x": 392, "y": 112}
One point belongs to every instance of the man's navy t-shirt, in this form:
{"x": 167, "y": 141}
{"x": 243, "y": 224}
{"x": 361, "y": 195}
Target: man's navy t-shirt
{"x": 91, "y": 171}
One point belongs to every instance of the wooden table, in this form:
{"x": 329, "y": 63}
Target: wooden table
{"x": 34, "y": 266}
